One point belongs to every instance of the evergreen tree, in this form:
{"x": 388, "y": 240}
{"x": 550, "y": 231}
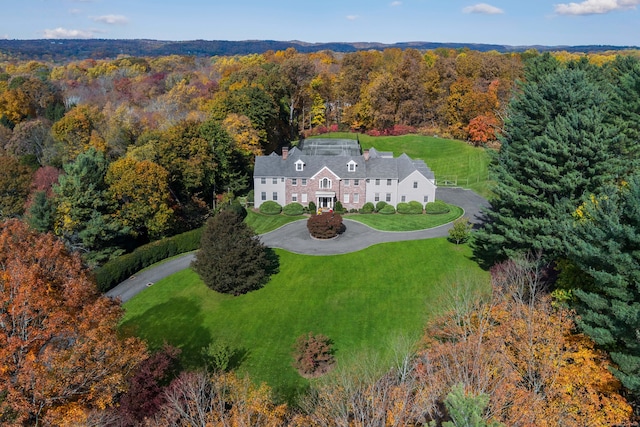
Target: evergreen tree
{"x": 41, "y": 213}
{"x": 559, "y": 145}
{"x": 625, "y": 77}
{"x": 231, "y": 259}
{"x": 604, "y": 242}
{"x": 466, "y": 410}
{"x": 84, "y": 217}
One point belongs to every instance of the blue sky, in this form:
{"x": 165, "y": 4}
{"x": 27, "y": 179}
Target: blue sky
{"x": 508, "y": 22}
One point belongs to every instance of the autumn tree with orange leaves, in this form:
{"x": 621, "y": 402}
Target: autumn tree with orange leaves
{"x": 59, "y": 353}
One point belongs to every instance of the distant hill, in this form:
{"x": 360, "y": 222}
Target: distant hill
{"x": 61, "y": 50}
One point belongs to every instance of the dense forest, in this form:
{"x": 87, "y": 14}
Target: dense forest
{"x": 102, "y": 155}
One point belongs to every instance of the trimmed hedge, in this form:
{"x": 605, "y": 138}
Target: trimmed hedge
{"x": 387, "y": 210}
{"x": 367, "y": 208}
{"x": 293, "y": 209}
{"x": 312, "y": 208}
{"x": 411, "y": 208}
{"x": 381, "y": 204}
{"x": 270, "y": 208}
{"x": 119, "y": 269}
{"x": 436, "y": 208}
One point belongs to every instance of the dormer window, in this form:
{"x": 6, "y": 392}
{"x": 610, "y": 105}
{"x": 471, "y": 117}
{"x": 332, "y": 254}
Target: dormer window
{"x": 325, "y": 183}
{"x": 299, "y": 165}
{"x": 351, "y": 166}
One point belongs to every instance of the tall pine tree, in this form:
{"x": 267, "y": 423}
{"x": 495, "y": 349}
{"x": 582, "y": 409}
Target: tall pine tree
{"x": 559, "y": 145}
{"x": 603, "y": 241}
{"x": 84, "y": 217}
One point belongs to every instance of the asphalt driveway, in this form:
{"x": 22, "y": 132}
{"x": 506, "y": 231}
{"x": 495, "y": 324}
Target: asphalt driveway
{"x": 295, "y": 238}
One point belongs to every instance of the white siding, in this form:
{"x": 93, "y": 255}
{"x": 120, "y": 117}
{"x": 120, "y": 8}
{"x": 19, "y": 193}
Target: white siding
{"x": 270, "y": 188}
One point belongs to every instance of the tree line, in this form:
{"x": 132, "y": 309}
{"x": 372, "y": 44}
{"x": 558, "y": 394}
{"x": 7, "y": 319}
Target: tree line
{"x": 567, "y": 187}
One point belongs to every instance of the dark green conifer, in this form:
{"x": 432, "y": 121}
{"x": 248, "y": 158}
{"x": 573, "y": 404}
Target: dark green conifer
{"x": 231, "y": 259}
{"x": 559, "y": 145}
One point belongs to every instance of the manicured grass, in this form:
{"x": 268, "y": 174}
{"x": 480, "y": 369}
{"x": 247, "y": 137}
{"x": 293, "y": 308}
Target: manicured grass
{"x": 446, "y": 157}
{"x": 363, "y": 301}
{"x": 400, "y": 222}
{"x": 264, "y": 223}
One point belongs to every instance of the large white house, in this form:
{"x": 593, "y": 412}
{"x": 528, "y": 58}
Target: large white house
{"x": 325, "y": 171}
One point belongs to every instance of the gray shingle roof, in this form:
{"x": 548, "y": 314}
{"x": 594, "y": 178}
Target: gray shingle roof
{"x": 379, "y": 165}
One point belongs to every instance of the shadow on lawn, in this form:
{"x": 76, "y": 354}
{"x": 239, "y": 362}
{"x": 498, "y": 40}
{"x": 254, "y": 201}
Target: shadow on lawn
{"x": 177, "y": 322}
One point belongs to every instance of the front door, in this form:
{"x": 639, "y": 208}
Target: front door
{"x": 326, "y": 202}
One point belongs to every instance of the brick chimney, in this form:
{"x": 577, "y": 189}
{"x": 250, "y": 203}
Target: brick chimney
{"x": 285, "y": 153}
{"x": 365, "y": 154}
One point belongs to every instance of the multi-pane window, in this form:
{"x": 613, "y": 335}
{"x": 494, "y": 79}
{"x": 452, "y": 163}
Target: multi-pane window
{"x": 356, "y": 182}
{"x": 304, "y": 197}
{"x": 388, "y": 182}
{"x": 426, "y": 199}
{"x": 377, "y": 181}
{"x": 263, "y": 180}
{"x": 415, "y": 184}
{"x": 275, "y": 195}
{"x": 263, "y": 195}
{"x": 345, "y": 198}
{"x": 304, "y": 181}
{"x": 347, "y": 182}
{"x": 388, "y": 199}
{"x": 403, "y": 199}
{"x": 356, "y": 198}
{"x": 294, "y": 181}
{"x": 376, "y": 197}
{"x": 294, "y": 197}
{"x": 325, "y": 183}
{"x": 275, "y": 180}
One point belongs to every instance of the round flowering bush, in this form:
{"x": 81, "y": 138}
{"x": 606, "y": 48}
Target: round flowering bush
{"x": 326, "y": 225}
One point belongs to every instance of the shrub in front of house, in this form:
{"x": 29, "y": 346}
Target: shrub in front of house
{"x": 338, "y": 207}
{"x": 293, "y": 209}
{"x": 381, "y": 204}
{"x": 312, "y": 208}
{"x": 367, "y": 208}
{"x": 436, "y": 208}
{"x": 387, "y": 210}
{"x": 411, "y": 208}
{"x": 325, "y": 225}
{"x": 270, "y": 208}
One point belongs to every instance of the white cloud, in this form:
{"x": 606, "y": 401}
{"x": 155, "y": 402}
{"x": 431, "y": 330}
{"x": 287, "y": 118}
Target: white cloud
{"x": 592, "y": 7}
{"x": 352, "y": 17}
{"x": 111, "y": 19}
{"x": 63, "y": 33}
{"x": 75, "y": 11}
{"x": 483, "y": 8}
{"x": 396, "y": 3}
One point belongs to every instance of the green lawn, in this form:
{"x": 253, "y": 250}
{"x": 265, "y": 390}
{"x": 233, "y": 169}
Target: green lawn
{"x": 363, "y": 301}
{"x": 447, "y": 158}
{"x": 400, "y": 222}
{"x": 264, "y": 223}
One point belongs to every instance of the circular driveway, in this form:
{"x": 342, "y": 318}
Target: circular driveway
{"x": 294, "y": 237}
